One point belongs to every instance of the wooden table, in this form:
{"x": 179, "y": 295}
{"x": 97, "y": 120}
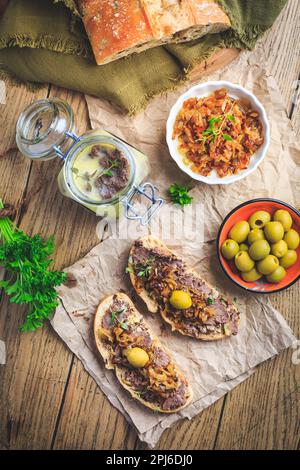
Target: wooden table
{"x": 48, "y": 401}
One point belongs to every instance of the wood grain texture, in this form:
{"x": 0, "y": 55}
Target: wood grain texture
{"x": 217, "y": 61}
{"x": 34, "y": 378}
{"x": 48, "y": 400}
{"x": 282, "y": 50}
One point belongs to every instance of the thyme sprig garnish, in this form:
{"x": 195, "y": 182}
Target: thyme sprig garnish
{"x": 145, "y": 268}
{"x": 213, "y": 132}
{"x": 88, "y": 177}
{"x": 115, "y": 314}
{"x": 107, "y": 172}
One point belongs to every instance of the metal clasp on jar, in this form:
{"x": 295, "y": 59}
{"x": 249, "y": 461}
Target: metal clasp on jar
{"x": 58, "y": 151}
{"x": 147, "y": 190}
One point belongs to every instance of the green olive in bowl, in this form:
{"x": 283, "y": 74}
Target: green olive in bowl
{"x": 268, "y": 265}
{"x": 259, "y": 219}
{"x": 274, "y": 231}
{"x": 259, "y": 250}
{"x": 229, "y": 249}
{"x": 255, "y": 234}
{"x": 277, "y": 276}
{"x": 289, "y": 259}
{"x": 292, "y": 239}
{"x": 244, "y": 247}
{"x": 279, "y": 249}
{"x": 284, "y": 217}
{"x": 240, "y": 231}
{"x": 243, "y": 261}
{"x": 251, "y": 276}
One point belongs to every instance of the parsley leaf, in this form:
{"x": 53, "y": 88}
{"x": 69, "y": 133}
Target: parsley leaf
{"x": 209, "y": 301}
{"x": 128, "y": 270}
{"x": 30, "y": 282}
{"x": 227, "y": 137}
{"x": 115, "y": 314}
{"x": 145, "y": 269}
{"x": 179, "y": 195}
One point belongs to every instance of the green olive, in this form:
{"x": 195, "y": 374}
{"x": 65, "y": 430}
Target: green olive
{"x": 268, "y": 265}
{"x": 279, "y": 249}
{"x": 259, "y": 250}
{"x": 244, "y": 247}
{"x": 292, "y": 239}
{"x": 229, "y": 249}
{"x": 251, "y": 276}
{"x": 137, "y": 357}
{"x": 259, "y": 219}
{"x": 180, "y": 300}
{"x": 277, "y": 275}
{"x": 240, "y": 231}
{"x": 284, "y": 217}
{"x": 255, "y": 234}
{"x": 243, "y": 262}
{"x": 289, "y": 259}
{"x": 274, "y": 231}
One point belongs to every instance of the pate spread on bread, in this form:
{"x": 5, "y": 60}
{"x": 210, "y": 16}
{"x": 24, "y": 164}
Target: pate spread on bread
{"x": 117, "y": 28}
{"x": 143, "y": 366}
{"x": 157, "y": 273}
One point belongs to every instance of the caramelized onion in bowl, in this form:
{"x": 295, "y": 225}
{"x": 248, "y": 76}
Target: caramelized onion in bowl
{"x": 213, "y": 143}
{"x": 217, "y": 132}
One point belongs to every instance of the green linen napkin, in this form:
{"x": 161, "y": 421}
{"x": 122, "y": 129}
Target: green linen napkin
{"x": 40, "y": 42}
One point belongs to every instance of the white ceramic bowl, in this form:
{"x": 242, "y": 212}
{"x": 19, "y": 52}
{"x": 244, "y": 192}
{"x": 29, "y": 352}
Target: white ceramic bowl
{"x": 235, "y": 91}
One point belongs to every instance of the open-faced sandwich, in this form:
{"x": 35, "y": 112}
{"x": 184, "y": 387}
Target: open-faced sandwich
{"x": 184, "y": 300}
{"x": 142, "y": 365}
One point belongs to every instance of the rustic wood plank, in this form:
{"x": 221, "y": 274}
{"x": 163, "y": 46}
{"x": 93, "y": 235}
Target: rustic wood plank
{"x": 73, "y": 431}
{"x": 16, "y": 170}
{"x": 264, "y": 412}
{"x": 199, "y": 433}
{"x": 282, "y": 49}
{"x": 296, "y": 107}
{"x": 215, "y": 62}
{"x": 33, "y": 381}
{"x": 88, "y": 420}
{"x": 42, "y": 411}
{"x": 13, "y": 166}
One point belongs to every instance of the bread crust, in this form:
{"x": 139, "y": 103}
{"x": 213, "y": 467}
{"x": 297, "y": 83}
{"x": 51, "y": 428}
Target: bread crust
{"x": 100, "y": 313}
{"x": 151, "y": 242}
{"x": 117, "y": 28}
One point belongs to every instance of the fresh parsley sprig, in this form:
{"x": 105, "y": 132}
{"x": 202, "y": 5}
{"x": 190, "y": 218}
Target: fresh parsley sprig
{"x": 28, "y": 278}
{"x": 146, "y": 268}
{"x": 212, "y": 132}
{"x": 179, "y": 194}
{"x": 116, "y": 314}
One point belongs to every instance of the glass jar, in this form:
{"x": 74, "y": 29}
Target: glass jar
{"x": 100, "y": 171}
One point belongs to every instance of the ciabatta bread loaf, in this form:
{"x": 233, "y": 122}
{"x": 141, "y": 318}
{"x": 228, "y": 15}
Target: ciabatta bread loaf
{"x": 117, "y": 28}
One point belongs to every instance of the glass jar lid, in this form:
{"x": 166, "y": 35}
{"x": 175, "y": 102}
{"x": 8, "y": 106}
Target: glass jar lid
{"x": 42, "y": 126}
{"x": 99, "y": 170}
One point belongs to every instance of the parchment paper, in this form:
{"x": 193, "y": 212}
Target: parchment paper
{"x": 213, "y": 368}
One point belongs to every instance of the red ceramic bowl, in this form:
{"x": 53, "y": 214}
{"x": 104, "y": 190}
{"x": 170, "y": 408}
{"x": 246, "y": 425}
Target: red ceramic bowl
{"x": 243, "y": 212}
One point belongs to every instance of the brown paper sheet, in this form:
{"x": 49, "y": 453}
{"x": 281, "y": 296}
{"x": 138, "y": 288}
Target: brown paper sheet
{"x": 213, "y": 368}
